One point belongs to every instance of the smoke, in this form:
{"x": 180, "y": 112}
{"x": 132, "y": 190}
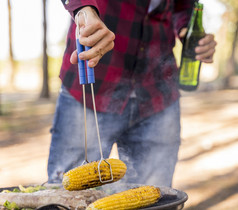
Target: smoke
{"x": 149, "y": 147}
{"x": 131, "y": 175}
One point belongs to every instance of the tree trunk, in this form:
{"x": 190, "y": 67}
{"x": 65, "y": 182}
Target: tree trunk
{"x": 45, "y": 85}
{"x": 11, "y": 59}
{"x": 10, "y": 51}
{"x": 10, "y": 29}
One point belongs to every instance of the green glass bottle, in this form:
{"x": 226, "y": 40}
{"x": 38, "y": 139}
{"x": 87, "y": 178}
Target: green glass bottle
{"x": 190, "y": 67}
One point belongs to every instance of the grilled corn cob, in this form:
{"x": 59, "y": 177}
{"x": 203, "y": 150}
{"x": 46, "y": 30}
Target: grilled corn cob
{"x": 131, "y": 199}
{"x": 87, "y": 176}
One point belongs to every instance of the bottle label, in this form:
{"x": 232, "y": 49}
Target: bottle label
{"x": 189, "y": 72}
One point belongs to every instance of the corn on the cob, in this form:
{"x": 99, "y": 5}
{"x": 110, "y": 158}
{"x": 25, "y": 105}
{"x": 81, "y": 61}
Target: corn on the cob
{"x": 87, "y": 176}
{"x": 131, "y": 199}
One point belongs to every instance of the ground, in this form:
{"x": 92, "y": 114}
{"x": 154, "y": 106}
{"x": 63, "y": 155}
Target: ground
{"x": 208, "y": 162}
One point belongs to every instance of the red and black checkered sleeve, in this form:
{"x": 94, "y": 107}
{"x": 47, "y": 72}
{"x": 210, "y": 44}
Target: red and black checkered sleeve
{"x": 182, "y": 13}
{"x": 73, "y": 5}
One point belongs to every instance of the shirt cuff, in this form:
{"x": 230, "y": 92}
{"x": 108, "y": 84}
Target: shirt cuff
{"x": 73, "y": 5}
{"x": 76, "y": 11}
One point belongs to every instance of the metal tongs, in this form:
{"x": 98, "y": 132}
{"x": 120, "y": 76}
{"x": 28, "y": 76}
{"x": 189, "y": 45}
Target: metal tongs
{"x": 89, "y": 80}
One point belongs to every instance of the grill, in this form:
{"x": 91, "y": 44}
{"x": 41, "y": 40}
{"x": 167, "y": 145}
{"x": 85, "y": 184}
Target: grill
{"x": 172, "y": 199}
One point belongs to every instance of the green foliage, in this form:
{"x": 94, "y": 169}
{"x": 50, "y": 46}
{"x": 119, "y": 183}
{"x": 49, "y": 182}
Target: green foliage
{"x": 11, "y": 205}
{"x": 54, "y": 64}
{"x": 22, "y": 189}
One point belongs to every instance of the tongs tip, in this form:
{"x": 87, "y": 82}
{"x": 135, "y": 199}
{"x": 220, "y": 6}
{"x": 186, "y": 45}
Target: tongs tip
{"x": 99, "y": 172}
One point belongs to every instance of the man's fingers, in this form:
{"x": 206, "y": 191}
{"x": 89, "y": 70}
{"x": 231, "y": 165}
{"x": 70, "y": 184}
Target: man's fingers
{"x": 206, "y": 55}
{"x": 89, "y": 29}
{"x": 102, "y": 47}
{"x": 98, "y": 55}
{"x": 183, "y": 32}
{"x": 98, "y": 50}
{"x": 207, "y": 39}
{"x": 74, "y": 57}
{"x": 94, "y": 54}
{"x": 94, "y": 61}
{"x": 208, "y": 60}
{"x": 94, "y": 38}
{"x": 204, "y": 48}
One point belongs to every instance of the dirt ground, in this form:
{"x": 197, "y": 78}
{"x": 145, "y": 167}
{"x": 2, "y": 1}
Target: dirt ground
{"x": 208, "y": 160}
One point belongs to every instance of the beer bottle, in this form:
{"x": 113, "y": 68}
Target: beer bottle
{"x": 190, "y": 67}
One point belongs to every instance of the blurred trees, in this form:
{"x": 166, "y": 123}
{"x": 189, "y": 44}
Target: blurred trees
{"x": 45, "y": 83}
{"x": 10, "y": 30}
{"x": 11, "y": 61}
{"x": 230, "y": 69}
{"x": 11, "y": 58}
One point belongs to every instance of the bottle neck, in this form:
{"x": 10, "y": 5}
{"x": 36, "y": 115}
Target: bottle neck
{"x": 198, "y": 19}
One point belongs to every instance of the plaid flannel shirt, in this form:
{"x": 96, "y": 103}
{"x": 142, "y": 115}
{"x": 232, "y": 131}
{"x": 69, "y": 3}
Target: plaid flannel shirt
{"x": 142, "y": 59}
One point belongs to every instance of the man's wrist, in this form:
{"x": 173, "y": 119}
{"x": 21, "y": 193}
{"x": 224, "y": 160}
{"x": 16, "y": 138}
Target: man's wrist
{"x": 88, "y": 6}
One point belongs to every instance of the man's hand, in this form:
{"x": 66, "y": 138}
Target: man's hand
{"x": 206, "y": 47}
{"x": 95, "y": 34}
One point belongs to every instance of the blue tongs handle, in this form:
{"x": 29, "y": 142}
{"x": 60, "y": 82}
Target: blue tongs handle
{"x": 81, "y": 67}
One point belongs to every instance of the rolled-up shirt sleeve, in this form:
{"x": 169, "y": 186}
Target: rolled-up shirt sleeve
{"x": 73, "y": 5}
{"x": 182, "y": 13}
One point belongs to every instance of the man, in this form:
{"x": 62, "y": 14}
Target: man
{"x": 136, "y": 91}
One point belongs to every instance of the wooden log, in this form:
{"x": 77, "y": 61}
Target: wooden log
{"x": 72, "y": 199}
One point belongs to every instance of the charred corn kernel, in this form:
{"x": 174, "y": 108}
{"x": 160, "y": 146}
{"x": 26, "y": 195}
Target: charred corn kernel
{"x": 87, "y": 176}
{"x": 131, "y": 199}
